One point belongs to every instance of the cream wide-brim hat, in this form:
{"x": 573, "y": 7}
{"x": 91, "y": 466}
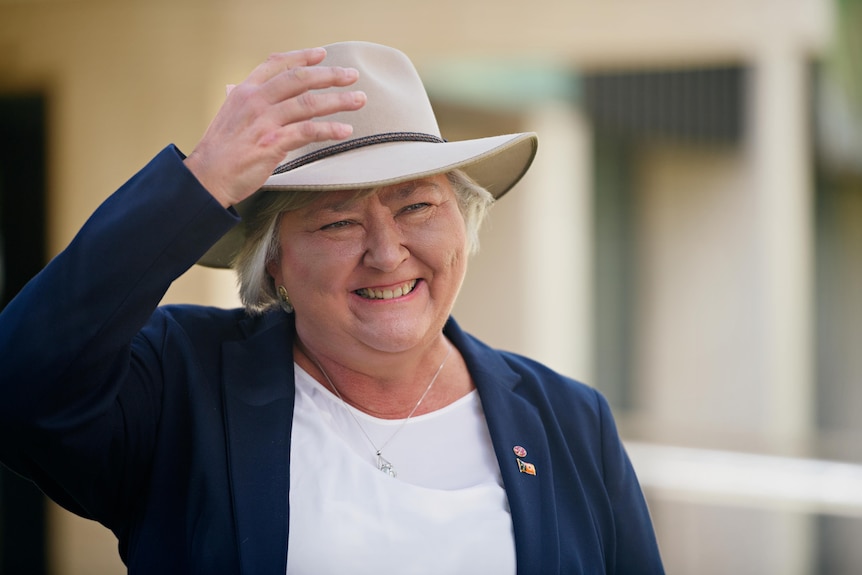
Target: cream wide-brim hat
{"x": 395, "y": 139}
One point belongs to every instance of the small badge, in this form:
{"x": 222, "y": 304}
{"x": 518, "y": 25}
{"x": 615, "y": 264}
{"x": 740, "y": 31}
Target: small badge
{"x": 519, "y": 451}
{"x": 527, "y": 468}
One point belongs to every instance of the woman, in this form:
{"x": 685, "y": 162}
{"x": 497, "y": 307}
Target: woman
{"x": 341, "y": 422}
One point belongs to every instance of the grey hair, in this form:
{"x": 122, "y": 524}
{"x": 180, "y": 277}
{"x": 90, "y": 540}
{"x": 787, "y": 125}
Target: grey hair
{"x": 257, "y": 289}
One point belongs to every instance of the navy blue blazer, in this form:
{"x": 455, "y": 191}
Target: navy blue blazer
{"x": 171, "y": 425}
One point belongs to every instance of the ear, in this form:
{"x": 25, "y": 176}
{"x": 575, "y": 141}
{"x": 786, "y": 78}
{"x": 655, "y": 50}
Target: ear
{"x": 274, "y": 270}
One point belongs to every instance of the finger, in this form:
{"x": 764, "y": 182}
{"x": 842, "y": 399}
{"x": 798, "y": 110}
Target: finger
{"x": 297, "y": 81}
{"x": 301, "y": 133}
{"x": 283, "y": 61}
{"x": 311, "y": 104}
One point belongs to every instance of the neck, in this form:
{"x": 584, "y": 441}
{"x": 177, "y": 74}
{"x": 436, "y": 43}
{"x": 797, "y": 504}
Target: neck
{"x": 393, "y": 389}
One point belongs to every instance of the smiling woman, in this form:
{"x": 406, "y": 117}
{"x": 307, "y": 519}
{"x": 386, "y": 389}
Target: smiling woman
{"x": 261, "y": 245}
{"x": 340, "y": 249}
{"x": 342, "y": 420}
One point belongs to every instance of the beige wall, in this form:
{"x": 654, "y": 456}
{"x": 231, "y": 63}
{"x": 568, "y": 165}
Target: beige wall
{"x": 697, "y": 296}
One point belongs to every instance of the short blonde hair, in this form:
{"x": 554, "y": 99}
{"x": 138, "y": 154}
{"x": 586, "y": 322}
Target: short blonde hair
{"x": 257, "y": 289}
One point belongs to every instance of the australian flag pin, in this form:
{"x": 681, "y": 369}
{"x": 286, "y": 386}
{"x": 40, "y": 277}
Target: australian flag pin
{"x": 523, "y": 466}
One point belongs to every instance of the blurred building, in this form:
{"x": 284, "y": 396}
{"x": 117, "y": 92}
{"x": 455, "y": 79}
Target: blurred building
{"x": 689, "y": 239}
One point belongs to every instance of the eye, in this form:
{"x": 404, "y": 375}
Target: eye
{"x": 415, "y": 207}
{"x": 337, "y": 225}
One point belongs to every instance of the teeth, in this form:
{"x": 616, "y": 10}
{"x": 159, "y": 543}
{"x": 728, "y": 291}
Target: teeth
{"x": 403, "y": 289}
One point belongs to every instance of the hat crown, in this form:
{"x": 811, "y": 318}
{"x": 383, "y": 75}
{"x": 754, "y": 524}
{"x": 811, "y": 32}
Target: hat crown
{"x": 397, "y": 102}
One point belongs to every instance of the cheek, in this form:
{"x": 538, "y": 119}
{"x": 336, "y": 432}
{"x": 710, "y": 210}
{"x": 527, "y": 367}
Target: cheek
{"x": 456, "y": 259}
{"x": 295, "y": 269}
{"x": 286, "y": 267}
{"x": 458, "y": 265}
{"x": 456, "y": 256}
{"x": 312, "y": 268}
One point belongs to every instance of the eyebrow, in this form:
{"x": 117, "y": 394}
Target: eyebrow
{"x": 401, "y": 191}
{"x": 331, "y": 203}
{"x": 407, "y": 189}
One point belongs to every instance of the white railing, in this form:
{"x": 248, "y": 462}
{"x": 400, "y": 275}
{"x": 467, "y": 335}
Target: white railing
{"x": 746, "y": 479}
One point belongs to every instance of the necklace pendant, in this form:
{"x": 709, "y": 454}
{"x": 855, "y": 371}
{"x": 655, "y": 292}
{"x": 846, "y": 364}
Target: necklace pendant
{"x": 382, "y": 463}
{"x": 385, "y": 466}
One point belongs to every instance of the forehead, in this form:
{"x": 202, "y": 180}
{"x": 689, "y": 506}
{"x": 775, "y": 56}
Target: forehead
{"x": 344, "y": 199}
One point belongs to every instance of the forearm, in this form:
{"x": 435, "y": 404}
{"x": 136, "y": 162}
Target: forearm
{"x": 75, "y": 320}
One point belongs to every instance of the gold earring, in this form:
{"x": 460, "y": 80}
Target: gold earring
{"x": 284, "y": 300}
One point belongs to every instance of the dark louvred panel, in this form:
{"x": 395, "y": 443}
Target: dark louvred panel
{"x": 705, "y": 104}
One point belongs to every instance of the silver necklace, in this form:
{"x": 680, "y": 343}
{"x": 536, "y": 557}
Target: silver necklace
{"x": 383, "y": 464}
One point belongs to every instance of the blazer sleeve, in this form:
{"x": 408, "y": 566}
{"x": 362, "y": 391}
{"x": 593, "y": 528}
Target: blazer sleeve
{"x": 636, "y": 548}
{"x": 79, "y": 407}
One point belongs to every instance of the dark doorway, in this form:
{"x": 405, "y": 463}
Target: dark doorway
{"x": 22, "y": 255}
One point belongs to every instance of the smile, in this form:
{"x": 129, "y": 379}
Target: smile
{"x": 388, "y": 293}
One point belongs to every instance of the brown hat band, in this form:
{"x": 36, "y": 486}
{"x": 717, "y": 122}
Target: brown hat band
{"x": 356, "y": 143}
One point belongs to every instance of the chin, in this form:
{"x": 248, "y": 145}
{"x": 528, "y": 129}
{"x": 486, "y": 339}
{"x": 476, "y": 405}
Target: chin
{"x": 396, "y": 337}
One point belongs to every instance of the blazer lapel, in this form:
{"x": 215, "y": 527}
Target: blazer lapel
{"x": 521, "y": 447}
{"x": 258, "y": 402}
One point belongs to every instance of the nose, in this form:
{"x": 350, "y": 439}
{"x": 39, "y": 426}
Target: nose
{"x": 385, "y": 247}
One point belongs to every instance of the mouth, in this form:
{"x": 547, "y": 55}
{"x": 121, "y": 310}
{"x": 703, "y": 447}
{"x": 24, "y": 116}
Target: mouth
{"x": 387, "y": 293}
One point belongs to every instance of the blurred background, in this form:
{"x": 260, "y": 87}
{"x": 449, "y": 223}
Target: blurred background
{"x": 689, "y": 240}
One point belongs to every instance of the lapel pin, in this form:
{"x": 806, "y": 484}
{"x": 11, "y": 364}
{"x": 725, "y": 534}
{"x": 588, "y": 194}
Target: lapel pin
{"x": 523, "y": 466}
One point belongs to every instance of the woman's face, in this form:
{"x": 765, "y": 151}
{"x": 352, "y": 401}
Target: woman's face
{"x": 380, "y": 271}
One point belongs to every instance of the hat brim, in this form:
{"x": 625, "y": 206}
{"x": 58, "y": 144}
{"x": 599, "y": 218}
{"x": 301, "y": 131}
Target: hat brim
{"x": 496, "y": 163}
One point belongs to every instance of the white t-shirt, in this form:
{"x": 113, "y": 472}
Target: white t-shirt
{"x": 445, "y": 513}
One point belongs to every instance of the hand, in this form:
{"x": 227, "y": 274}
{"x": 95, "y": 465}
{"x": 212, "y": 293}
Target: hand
{"x": 271, "y": 113}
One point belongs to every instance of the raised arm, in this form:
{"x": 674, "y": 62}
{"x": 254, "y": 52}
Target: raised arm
{"x": 66, "y": 341}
